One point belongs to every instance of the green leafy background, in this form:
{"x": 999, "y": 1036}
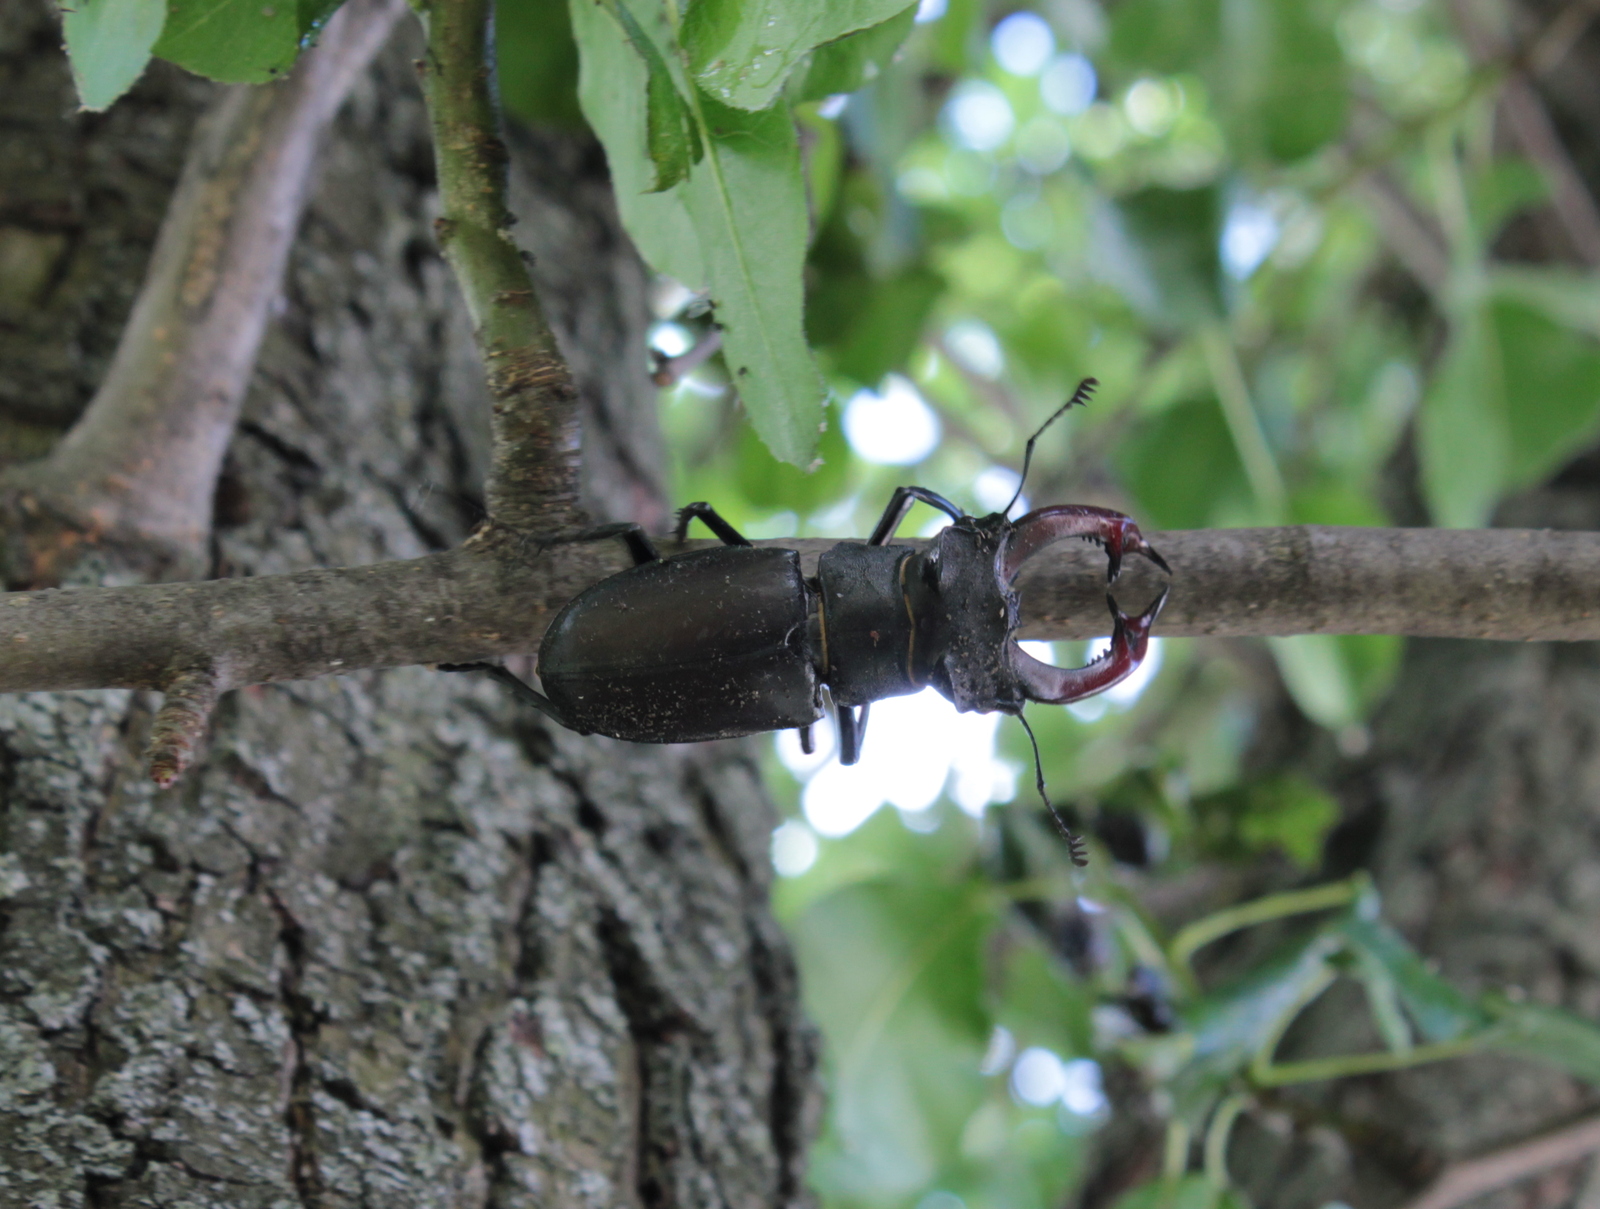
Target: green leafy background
{"x": 1171, "y": 203}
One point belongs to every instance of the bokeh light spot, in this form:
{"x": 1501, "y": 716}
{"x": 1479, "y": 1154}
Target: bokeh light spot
{"x": 1248, "y": 237}
{"x": 979, "y": 116}
{"x": 1068, "y": 84}
{"x": 892, "y": 428}
{"x": 973, "y": 343}
{"x": 1022, "y": 43}
{"x": 794, "y": 849}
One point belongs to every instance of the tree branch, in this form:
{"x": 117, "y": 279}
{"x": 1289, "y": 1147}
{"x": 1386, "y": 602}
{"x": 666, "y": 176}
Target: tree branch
{"x": 471, "y": 603}
{"x": 139, "y": 468}
{"x": 1468, "y": 1180}
{"x": 533, "y": 478}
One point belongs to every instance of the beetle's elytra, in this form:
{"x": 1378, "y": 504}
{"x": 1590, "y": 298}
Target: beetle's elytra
{"x": 735, "y": 640}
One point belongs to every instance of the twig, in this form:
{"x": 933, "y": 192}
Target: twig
{"x": 181, "y": 722}
{"x": 139, "y": 468}
{"x": 670, "y": 371}
{"x": 1414, "y": 240}
{"x": 533, "y": 477}
{"x": 1462, "y": 1182}
{"x": 471, "y": 604}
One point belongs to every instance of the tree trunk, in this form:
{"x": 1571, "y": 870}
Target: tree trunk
{"x": 392, "y": 939}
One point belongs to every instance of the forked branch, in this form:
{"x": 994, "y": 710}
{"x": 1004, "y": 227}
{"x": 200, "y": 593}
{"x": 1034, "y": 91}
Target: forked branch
{"x": 139, "y": 469}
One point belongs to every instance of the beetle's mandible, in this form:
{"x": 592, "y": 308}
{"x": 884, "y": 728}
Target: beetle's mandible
{"x": 735, "y": 640}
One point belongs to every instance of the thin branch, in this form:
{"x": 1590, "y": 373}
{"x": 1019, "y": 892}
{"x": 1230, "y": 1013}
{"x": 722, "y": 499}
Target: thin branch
{"x": 669, "y": 371}
{"x": 471, "y": 603}
{"x": 1465, "y": 1181}
{"x": 180, "y": 724}
{"x": 139, "y": 468}
{"x": 1412, "y": 237}
{"x": 533, "y": 478}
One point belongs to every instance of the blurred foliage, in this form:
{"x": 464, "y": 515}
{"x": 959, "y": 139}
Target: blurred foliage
{"x": 1284, "y": 237}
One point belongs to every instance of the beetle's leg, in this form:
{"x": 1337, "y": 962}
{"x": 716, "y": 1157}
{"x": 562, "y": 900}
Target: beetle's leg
{"x": 523, "y": 692}
{"x": 852, "y": 729}
{"x": 639, "y": 543}
{"x": 808, "y": 744}
{"x": 900, "y": 504}
{"x": 712, "y": 521}
{"x": 1130, "y": 638}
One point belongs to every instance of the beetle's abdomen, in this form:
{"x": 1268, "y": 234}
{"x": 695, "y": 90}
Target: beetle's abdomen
{"x": 708, "y": 645}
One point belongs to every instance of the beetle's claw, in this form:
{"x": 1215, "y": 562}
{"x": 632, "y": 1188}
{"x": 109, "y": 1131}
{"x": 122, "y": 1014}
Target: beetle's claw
{"x": 1125, "y": 539}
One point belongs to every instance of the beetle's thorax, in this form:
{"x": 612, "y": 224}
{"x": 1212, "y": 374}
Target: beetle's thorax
{"x": 892, "y": 620}
{"x": 971, "y": 613}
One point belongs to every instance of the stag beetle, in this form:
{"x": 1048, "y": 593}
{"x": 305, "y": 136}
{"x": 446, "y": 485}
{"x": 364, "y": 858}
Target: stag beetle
{"x": 736, "y": 640}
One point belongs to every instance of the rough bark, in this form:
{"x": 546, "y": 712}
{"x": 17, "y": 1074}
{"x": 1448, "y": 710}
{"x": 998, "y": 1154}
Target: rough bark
{"x": 391, "y": 940}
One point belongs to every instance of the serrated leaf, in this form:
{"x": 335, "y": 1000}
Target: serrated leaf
{"x": 234, "y": 41}
{"x": 848, "y": 63}
{"x": 742, "y": 51}
{"x": 613, "y": 90}
{"x": 748, "y": 206}
{"x": 108, "y": 45}
{"x": 672, "y": 139}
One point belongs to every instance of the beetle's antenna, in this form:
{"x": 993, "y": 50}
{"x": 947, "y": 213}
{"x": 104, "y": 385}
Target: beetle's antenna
{"x": 1080, "y": 397}
{"x": 1080, "y": 858}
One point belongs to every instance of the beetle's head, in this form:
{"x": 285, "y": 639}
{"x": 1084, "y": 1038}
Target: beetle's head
{"x": 967, "y": 576}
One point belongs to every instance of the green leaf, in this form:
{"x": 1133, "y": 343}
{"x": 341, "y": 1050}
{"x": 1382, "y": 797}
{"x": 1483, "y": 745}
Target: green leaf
{"x": 741, "y": 51}
{"x": 538, "y": 63}
{"x": 877, "y": 324}
{"x": 1181, "y": 466}
{"x": 1289, "y": 75}
{"x": 1552, "y": 390}
{"x": 235, "y": 41}
{"x": 748, "y": 205}
{"x": 1161, "y": 251}
{"x": 1312, "y": 667}
{"x": 1441, "y": 1012}
{"x": 314, "y": 14}
{"x": 1232, "y": 1026}
{"x": 1551, "y": 1035}
{"x": 894, "y": 978}
{"x": 672, "y": 140}
{"x": 736, "y": 227}
{"x": 1463, "y": 438}
{"x": 108, "y": 45}
{"x": 1196, "y": 1191}
{"x": 847, "y": 63}
{"x": 612, "y": 87}
{"x": 774, "y": 485}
